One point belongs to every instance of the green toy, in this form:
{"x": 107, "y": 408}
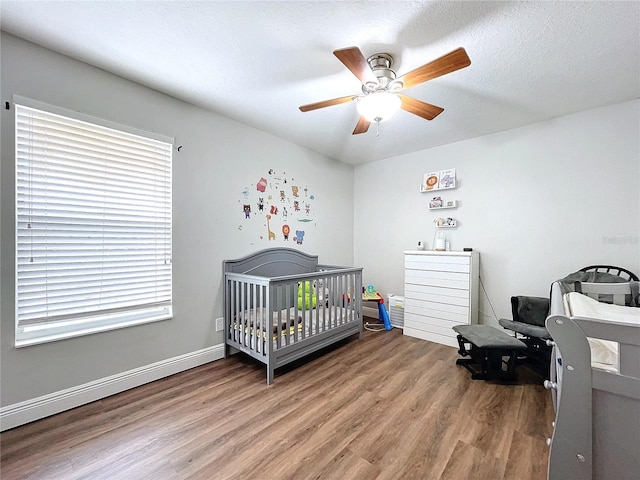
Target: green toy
{"x": 306, "y": 289}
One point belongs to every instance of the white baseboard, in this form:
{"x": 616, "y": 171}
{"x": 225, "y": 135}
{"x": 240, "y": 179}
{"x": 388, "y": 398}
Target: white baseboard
{"x": 24, "y": 412}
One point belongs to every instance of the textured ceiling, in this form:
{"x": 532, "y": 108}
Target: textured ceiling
{"x": 257, "y": 62}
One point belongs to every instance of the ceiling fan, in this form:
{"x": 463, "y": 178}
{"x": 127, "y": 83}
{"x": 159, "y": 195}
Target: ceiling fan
{"x": 380, "y": 88}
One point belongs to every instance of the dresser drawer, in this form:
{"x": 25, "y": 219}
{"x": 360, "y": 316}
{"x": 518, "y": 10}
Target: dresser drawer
{"x": 437, "y": 294}
{"x": 437, "y": 309}
{"x": 437, "y": 264}
{"x": 459, "y": 280}
{"x": 440, "y": 326}
{"x": 440, "y": 259}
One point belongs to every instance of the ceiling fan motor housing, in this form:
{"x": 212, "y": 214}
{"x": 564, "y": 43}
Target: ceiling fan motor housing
{"x": 380, "y": 64}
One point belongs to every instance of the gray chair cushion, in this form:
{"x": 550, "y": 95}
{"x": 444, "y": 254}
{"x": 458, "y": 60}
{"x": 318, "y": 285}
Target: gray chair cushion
{"x": 485, "y": 336}
{"x": 525, "y": 329}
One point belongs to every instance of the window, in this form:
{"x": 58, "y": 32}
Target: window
{"x": 93, "y": 225}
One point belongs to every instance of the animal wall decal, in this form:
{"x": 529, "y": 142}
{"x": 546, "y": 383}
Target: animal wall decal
{"x": 280, "y": 203}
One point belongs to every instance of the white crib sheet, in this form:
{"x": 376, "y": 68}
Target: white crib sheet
{"x": 325, "y": 317}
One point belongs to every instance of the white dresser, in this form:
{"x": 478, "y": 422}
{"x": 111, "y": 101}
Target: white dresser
{"x": 440, "y": 291}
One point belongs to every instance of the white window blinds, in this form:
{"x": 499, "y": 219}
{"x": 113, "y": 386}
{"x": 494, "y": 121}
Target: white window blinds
{"x": 93, "y": 227}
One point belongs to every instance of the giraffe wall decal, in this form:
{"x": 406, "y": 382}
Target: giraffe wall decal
{"x": 272, "y": 236}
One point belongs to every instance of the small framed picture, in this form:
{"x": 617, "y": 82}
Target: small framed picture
{"x": 447, "y": 178}
{"x": 430, "y": 181}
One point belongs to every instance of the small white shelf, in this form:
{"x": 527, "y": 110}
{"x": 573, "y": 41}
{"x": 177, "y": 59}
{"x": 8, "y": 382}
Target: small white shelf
{"x": 435, "y": 190}
{"x": 448, "y": 222}
{"x": 449, "y": 204}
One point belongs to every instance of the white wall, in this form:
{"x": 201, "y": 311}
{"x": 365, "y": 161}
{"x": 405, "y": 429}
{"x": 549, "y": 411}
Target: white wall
{"x": 218, "y": 159}
{"x": 537, "y": 202}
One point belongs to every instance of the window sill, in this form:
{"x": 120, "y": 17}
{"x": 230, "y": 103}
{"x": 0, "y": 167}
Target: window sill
{"x": 55, "y": 334}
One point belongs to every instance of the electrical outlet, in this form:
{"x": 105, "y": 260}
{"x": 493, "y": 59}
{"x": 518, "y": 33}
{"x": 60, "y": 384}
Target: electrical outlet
{"x": 219, "y": 324}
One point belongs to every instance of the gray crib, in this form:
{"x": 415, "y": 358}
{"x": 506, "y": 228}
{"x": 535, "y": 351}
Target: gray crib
{"x": 280, "y": 305}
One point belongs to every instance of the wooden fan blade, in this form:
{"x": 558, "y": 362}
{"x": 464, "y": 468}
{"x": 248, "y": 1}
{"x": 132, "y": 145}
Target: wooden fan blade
{"x": 362, "y": 126}
{"x": 327, "y": 103}
{"x": 446, "y": 64}
{"x": 353, "y": 59}
{"x": 419, "y": 108}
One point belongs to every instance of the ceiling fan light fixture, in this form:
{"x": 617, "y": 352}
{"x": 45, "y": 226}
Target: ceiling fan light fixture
{"x": 379, "y": 106}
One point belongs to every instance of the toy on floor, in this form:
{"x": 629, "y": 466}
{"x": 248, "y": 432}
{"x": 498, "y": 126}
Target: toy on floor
{"x": 369, "y": 294}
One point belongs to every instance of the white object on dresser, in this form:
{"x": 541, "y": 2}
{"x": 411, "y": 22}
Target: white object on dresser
{"x": 440, "y": 291}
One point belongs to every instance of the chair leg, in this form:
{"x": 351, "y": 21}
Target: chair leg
{"x": 537, "y": 356}
{"x": 462, "y": 349}
{"x": 491, "y": 362}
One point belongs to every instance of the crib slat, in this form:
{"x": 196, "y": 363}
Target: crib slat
{"x": 229, "y": 309}
{"x": 281, "y": 335}
{"x": 270, "y": 302}
{"x": 326, "y": 303}
{"x": 237, "y": 303}
{"x": 292, "y": 289}
{"x": 256, "y": 333}
{"x": 291, "y": 306}
{"x": 266, "y": 322}
{"x": 345, "y": 300}
{"x": 247, "y": 320}
{"x": 291, "y": 310}
{"x": 314, "y": 325}
{"x": 276, "y": 326}
{"x": 350, "y": 294}
{"x": 334, "y": 301}
{"x": 240, "y": 320}
{"x": 357, "y": 297}
{"x": 306, "y": 308}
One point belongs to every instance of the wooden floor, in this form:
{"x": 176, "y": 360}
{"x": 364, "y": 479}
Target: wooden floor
{"x": 386, "y": 407}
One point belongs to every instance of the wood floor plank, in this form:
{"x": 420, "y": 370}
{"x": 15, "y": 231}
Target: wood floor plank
{"x": 345, "y": 465}
{"x": 492, "y": 411}
{"x": 386, "y": 407}
{"x": 536, "y": 413}
{"x": 528, "y": 458}
{"x": 320, "y": 433}
{"x": 442, "y": 425}
{"x": 250, "y": 427}
{"x": 468, "y": 461}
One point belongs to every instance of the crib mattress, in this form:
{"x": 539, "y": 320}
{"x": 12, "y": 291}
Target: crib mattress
{"x": 260, "y": 316}
{"x": 325, "y": 318}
